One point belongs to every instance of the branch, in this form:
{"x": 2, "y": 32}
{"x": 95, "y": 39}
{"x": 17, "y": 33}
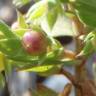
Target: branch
{"x": 69, "y": 76}
{"x": 80, "y": 27}
{"x": 67, "y": 90}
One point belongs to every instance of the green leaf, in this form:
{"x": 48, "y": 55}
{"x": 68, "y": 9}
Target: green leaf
{"x": 8, "y": 66}
{"x": 93, "y": 40}
{"x": 7, "y": 46}
{"x": 21, "y": 21}
{"x": 86, "y": 9}
{"x": 89, "y": 44}
{"x": 88, "y": 49}
{"x": 16, "y": 52}
{"x": 39, "y": 68}
{"x": 2, "y": 81}
{"x": 20, "y": 32}
{"x": 64, "y": 62}
{"x": 52, "y": 4}
{"x": 55, "y": 54}
{"x": 25, "y": 1}
{"x": 6, "y": 30}
{"x": 2, "y": 35}
{"x": 20, "y": 3}
{"x": 45, "y": 70}
{"x": 51, "y": 18}
{"x": 37, "y": 10}
{"x": 89, "y": 36}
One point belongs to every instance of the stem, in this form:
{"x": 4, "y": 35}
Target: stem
{"x": 69, "y": 76}
{"x": 67, "y": 90}
{"x": 80, "y": 70}
{"x": 81, "y": 73}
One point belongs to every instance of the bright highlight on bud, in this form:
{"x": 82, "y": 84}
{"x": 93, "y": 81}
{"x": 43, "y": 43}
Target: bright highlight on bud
{"x": 15, "y": 25}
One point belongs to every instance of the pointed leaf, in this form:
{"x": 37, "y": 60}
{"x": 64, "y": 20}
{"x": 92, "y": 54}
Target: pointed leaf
{"x": 15, "y": 52}
{"x": 6, "y": 30}
{"x": 51, "y": 18}
{"x": 21, "y": 21}
{"x": 88, "y": 49}
{"x": 20, "y": 3}
{"x": 7, "y": 46}
{"x": 44, "y": 70}
{"x": 36, "y": 10}
{"x": 20, "y": 32}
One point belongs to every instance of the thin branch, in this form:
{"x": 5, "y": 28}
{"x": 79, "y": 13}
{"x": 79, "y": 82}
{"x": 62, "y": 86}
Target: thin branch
{"x": 67, "y": 90}
{"x": 69, "y": 76}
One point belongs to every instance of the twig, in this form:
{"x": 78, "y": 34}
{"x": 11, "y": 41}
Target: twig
{"x": 67, "y": 90}
{"x": 69, "y": 76}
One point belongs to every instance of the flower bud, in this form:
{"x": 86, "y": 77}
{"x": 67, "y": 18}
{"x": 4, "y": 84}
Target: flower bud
{"x": 35, "y": 43}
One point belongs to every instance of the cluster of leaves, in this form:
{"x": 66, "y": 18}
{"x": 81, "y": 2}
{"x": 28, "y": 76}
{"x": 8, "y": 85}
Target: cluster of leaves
{"x": 50, "y": 10}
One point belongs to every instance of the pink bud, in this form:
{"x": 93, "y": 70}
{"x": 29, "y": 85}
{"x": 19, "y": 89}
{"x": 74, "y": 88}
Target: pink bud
{"x": 34, "y": 43}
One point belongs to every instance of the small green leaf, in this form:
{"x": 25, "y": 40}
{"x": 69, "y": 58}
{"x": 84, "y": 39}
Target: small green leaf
{"x": 16, "y": 52}
{"x": 89, "y": 36}
{"x": 89, "y": 44}
{"x": 20, "y": 3}
{"x": 8, "y": 66}
{"x": 21, "y": 21}
{"x": 50, "y": 59}
{"x": 25, "y": 1}
{"x": 20, "y": 32}
{"x": 55, "y": 54}
{"x": 51, "y": 18}
{"x": 39, "y": 69}
{"x": 93, "y": 40}
{"x": 7, "y": 46}
{"x": 6, "y": 30}
{"x": 54, "y": 8}
{"x": 52, "y": 4}
{"x": 88, "y": 49}
{"x": 46, "y": 70}
{"x": 36, "y": 10}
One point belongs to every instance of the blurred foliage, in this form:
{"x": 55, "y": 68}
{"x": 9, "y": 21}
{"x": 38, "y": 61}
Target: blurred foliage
{"x": 86, "y": 11}
{"x": 20, "y": 3}
{"x": 50, "y": 62}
